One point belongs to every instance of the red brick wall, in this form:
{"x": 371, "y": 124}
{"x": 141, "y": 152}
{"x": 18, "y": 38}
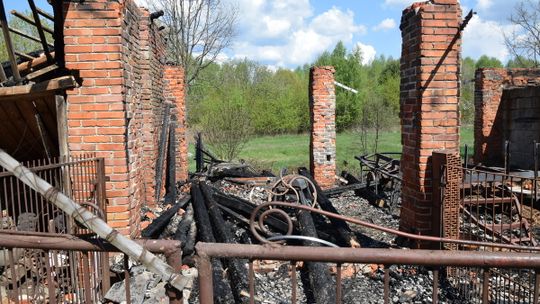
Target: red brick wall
{"x": 175, "y": 94}
{"x": 322, "y": 104}
{"x": 117, "y": 112}
{"x": 488, "y": 119}
{"x": 429, "y": 102}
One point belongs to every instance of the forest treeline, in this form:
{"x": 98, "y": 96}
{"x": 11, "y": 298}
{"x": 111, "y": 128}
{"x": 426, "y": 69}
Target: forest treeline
{"x": 264, "y": 101}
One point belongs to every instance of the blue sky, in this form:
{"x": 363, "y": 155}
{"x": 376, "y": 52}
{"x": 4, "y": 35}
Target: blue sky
{"x": 288, "y": 33}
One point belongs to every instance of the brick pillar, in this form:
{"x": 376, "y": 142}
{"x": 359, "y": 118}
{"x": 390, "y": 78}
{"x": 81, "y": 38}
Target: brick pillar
{"x": 322, "y": 104}
{"x": 175, "y": 93}
{"x": 119, "y": 56}
{"x": 95, "y": 111}
{"x": 429, "y": 102}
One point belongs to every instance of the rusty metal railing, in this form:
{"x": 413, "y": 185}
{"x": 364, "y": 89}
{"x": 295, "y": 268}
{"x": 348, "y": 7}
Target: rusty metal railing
{"x": 68, "y": 275}
{"x": 52, "y": 249}
{"x": 494, "y": 207}
{"x": 487, "y": 261}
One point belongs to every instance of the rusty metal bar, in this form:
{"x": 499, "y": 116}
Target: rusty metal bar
{"x": 86, "y": 277}
{"x": 485, "y": 286}
{"x": 174, "y": 259}
{"x": 386, "y": 284}
{"x": 74, "y": 243}
{"x": 380, "y": 228}
{"x": 536, "y": 285}
{"x": 206, "y": 289}
{"x": 127, "y": 279}
{"x": 251, "y": 283}
{"x": 338, "y": 283}
{"x": 294, "y": 282}
{"x": 435, "y": 296}
{"x": 376, "y": 256}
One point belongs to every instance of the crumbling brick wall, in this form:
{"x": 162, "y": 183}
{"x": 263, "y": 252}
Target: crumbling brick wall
{"x": 116, "y": 113}
{"x": 490, "y": 87}
{"x": 429, "y": 102}
{"x": 175, "y": 94}
{"x": 322, "y": 105}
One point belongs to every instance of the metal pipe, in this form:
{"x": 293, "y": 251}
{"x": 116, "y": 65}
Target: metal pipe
{"x": 206, "y": 289}
{"x": 375, "y": 256}
{"x": 377, "y": 227}
{"x": 74, "y": 243}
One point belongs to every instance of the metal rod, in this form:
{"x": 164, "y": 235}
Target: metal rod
{"x": 376, "y": 256}
{"x": 9, "y": 43}
{"x": 127, "y": 279}
{"x": 384, "y": 229}
{"x": 485, "y": 286}
{"x": 466, "y": 160}
{"x": 74, "y": 243}
{"x": 435, "y": 296}
{"x": 294, "y": 281}
{"x": 386, "y": 284}
{"x": 338, "y": 283}
{"x": 206, "y": 292}
{"x": 251, "y": 283}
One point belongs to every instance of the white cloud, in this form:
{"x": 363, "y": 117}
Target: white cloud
{"x": 485, "y": 37}
{"x": 368, "y": 52}
{"x": 276, "y": 33}
{"x": 385, "y": 25}
{"x": 399, "y": 3}
{"x": 485, "y": 4}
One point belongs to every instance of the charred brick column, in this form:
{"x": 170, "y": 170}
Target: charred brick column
{"x": 322, "y": 104}
{"x": 429, "y": 103}
{"x": 175, "y": 93}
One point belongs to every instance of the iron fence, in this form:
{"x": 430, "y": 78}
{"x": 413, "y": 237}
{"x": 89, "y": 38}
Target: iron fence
{"x": 52, "y": 276}
{"x": 498, "y": 207}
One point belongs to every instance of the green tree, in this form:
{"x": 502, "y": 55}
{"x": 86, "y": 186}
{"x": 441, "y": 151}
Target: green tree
{"x": 488, "y": 62}
{"x": 468, "y": 68}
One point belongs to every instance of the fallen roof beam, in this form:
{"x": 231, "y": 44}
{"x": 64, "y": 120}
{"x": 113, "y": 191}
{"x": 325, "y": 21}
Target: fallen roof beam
{"x": 9, "y": 43}
{"x": 49, "y": 86}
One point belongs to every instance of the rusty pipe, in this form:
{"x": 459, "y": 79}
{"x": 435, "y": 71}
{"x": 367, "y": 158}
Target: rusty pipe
{"x": 78, "y": 244}
{"x": 380, "y": 228}
{"x": 378, "y": 256}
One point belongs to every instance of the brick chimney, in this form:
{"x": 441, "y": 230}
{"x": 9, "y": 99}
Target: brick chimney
{"x": 322, "y": 105}
{"x": 429, "y": 103}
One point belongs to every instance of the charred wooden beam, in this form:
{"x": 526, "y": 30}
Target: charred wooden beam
{"x": 182, "y": 231}
{"x": 42, "y": 72}
{"x": 372, "y": 197}
{"x": 318, "y": 273}
{"x": 222, "y": 290}
{"x": 345, "y": 234}
{"x": 342, "y": 189}
{"x": 161, "y": 149}
{"x": 236, "y": 269}
{"x": 158, "y": 225}
{"x": 170, "y": 180}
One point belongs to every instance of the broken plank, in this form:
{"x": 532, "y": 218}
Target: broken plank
{"x": 38, "y": 89}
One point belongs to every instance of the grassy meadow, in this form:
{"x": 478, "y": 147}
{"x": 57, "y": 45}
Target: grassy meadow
{"x": 292, "y": 150}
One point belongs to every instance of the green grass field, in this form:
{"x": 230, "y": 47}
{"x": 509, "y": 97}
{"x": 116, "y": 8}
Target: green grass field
{"x": 292, "y": 151}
